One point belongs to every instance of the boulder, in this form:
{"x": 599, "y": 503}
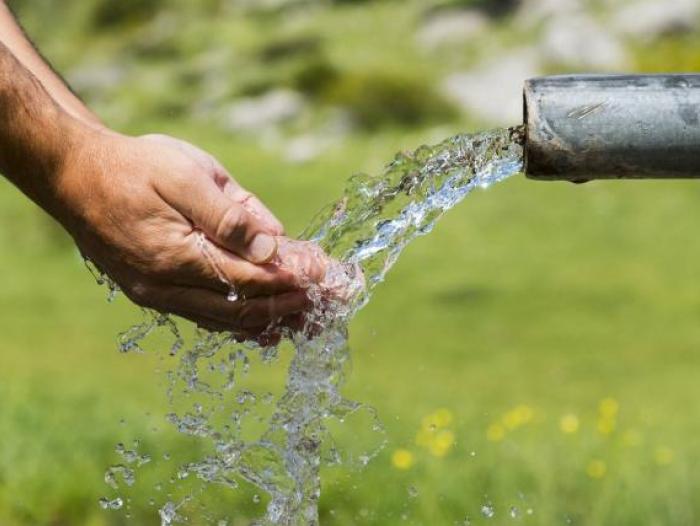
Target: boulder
{"x": 580, "y": 41}
{"x": 266, "y": 111}
{"x": 493, "y": 90}
{"x": 651, "y": 19}
{"x": 449, "y": 27}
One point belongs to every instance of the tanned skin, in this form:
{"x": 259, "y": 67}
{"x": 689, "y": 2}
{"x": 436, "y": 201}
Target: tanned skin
{"x": 137, "y": 206}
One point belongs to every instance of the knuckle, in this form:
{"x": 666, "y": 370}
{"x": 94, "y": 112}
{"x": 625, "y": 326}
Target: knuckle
{"x": 243, "y": 196}
{"x": 232, "y": 225}
{"x": 186, "y": 173}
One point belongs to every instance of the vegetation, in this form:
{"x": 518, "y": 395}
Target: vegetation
{"x": 536, "y": 354}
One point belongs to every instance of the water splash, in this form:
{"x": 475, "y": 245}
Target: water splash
{"x": 488, "y": 511}
{"x": 280, "y": 450}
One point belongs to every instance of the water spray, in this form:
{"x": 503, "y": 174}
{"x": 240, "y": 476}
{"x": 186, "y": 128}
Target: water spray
{"x": 583, "y": 127}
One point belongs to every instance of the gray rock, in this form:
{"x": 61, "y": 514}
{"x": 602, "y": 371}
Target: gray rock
{"x": 448, "y": 27}
{"x": 305, "y": 148}
{"x": 268, "y": 110}
{"x": 650, "y": 19}
{"x": 308, "y": 146}
{"x": 579, "y": 40}
{"x": 493, "y": 90}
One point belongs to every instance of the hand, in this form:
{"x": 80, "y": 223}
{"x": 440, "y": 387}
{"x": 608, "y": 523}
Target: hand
{"x": 167, "y": 223}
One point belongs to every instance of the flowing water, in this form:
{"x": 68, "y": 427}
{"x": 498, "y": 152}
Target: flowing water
{"x": 278, "y": 444}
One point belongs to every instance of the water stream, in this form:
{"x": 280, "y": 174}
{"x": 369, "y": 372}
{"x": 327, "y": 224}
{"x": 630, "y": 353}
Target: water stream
{"x": 278, "y": 444}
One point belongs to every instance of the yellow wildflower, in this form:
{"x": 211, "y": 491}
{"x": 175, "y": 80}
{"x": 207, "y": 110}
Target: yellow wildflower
{"x": 663, "y": 456}
{"x": 402, "y": 459}
{"x": 526, "y": 413}
{"x": 444, "y": 440}
{"x": 437, "y": 420}
{"x": 517, "y": 417}
{"x": 569, "y": 424}
{"x": 596, "y": 469}
{"x": 495, "y": 433}
{"x": 608, "y": 408}
{"x": 443, "y": 417}
{"x": 429, "y": 422}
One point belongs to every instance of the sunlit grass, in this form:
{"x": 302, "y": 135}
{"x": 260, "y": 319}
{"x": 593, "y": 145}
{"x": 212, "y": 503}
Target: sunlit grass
{"x": 536, "y": 355}
{"x": 536, "y": 351}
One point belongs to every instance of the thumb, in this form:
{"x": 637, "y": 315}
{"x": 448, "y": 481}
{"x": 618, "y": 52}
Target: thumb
{"x": 232, "y": 227}
{"x": 224, "y": 221}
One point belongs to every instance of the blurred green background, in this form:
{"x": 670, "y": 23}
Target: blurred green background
{"x": 535, "y": 359}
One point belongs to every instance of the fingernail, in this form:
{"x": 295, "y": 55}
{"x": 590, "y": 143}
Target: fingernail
{"x": 263, "y": 248}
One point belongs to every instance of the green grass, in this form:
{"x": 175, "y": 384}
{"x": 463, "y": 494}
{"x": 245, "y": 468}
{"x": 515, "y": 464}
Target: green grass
{"x": 551, "y": 297}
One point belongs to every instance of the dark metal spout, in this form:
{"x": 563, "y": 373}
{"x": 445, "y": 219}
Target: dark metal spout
{"x": 585, "y": 127}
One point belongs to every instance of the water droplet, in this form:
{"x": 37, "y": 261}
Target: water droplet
{"x": 366, "y": 231}
{"x": 256, "y": 499}
{"x": 488, "y": 511}
{"x": 412, "y": 492}
{"x": 114, "y": 504}
{"x": 514, "y": 512}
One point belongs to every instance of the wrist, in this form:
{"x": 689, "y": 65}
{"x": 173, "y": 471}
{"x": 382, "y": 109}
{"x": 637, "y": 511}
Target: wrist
{"x": 74, "y": 184}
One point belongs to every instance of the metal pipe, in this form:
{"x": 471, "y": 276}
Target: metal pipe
{"x": 584, "y": 127}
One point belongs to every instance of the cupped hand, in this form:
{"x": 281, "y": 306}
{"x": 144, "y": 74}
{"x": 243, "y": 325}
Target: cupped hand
{"x": 170, "y": 226}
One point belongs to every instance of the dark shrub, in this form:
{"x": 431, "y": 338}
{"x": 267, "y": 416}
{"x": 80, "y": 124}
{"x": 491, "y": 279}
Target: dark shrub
{"x": 114, "y": 13}
{"x": 377, "y": 99}
{"x": 493, "y": 8}
{"x": 315, "y": 76}
{"x": 290, "y": 47}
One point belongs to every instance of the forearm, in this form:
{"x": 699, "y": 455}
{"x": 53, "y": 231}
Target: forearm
{"x": 14, "y": 38}
{"x": 36, "y": 135}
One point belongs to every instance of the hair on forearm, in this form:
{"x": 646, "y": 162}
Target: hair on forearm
{"x": 36, "y": 49}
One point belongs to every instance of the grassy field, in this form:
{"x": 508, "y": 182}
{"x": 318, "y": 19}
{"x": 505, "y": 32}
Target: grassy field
{"x": 535, "y": 358}
{"x": 529, "y": 303}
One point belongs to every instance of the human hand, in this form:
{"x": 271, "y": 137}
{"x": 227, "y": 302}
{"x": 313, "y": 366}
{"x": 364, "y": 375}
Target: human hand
{"x": 167, "y": 223}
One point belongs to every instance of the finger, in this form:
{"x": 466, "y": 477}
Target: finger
{"x": 304, "y": 259}
{"x": 234, "y": 315}
{"x": 227, "y": 223}
{"x": 224, "y": 180}
{"x": 254, "y": 205}
{"x": 208, "y": 266}
{"x": 240, "y": 195}
{"x": 295, "y": 322}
